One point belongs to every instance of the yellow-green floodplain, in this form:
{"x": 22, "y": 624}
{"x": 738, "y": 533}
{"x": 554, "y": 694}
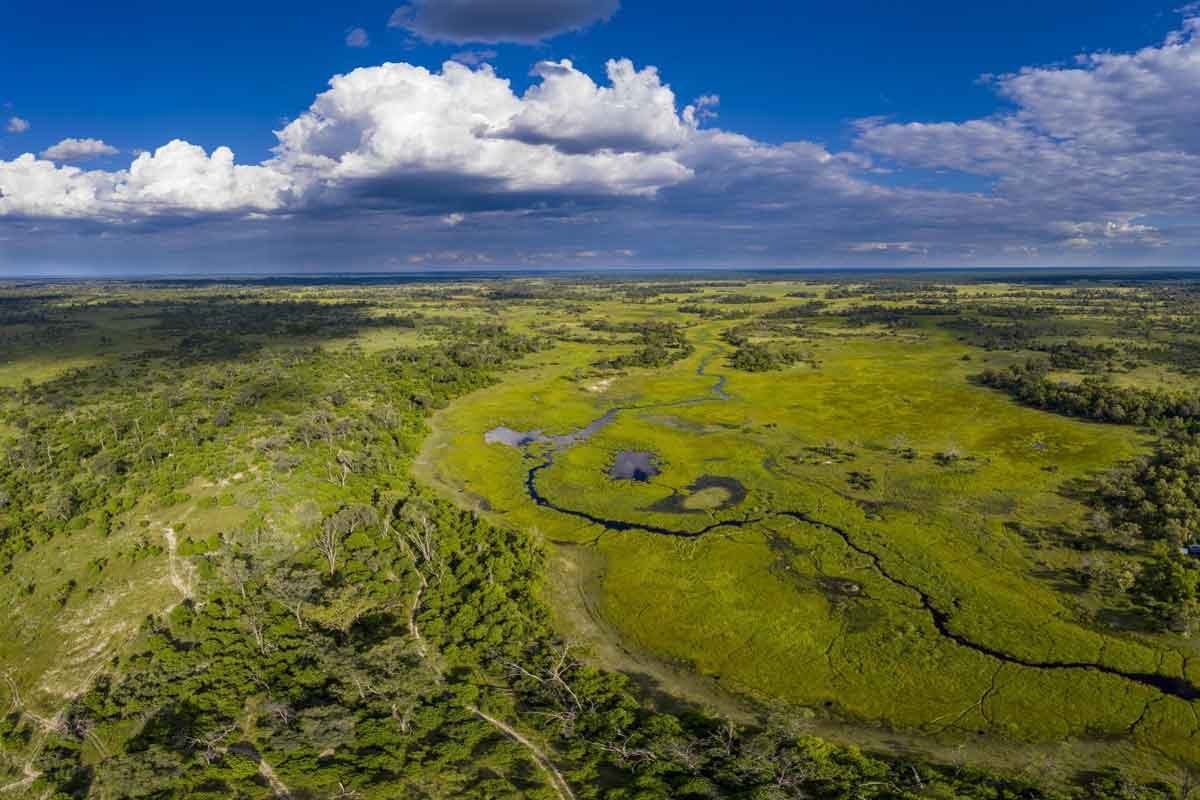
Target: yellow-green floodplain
{"x": 881, "y": 567}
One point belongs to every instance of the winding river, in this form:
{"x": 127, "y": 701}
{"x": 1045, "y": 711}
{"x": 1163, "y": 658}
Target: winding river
{"x": 1174, "y": 686}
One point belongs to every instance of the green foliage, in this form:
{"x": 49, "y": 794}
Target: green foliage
{"x": 1092, "y": 399}
{"x": 659, "y": 344}
{"x": 348, "y": 634}
{"x": 756, "y": 357}
{"x": 1160, "y": 493}
{"x": 1157, "y": 498}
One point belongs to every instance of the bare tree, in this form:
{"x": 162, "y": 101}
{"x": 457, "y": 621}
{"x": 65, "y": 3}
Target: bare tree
{"x": 417, "y": 533}
{"x": 281, "y": 711}
{"x": 255, "y": 613}
{"x": 553, "y": 674}
{"x": 336, "y": 527}
{"x": 234, "y": 568}
{"x": 626, "y": 752}
{"x": 295, "y": 588}
{"x": 725, "y": 739}
{"x": 338, "y": 470}
{"x": 209, "y": 744}
{"x": 785, "y": 767}
{"x": 328, "y": 541}
{"x": 392, "y": 673}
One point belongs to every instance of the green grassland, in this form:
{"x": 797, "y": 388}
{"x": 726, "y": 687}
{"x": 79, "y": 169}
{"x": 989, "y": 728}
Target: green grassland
{"x": 847, "y": 535}
{"x": 779, "y": 609}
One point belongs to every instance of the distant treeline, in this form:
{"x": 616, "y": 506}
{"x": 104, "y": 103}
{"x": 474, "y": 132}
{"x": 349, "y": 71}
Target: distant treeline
{"x": 1091, "y": 399}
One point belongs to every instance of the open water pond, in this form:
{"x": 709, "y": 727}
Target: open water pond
{"x": 634, "y": 465}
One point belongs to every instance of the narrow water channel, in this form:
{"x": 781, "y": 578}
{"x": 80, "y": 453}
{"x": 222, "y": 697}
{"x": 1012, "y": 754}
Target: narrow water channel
{"x": 1174, "y": 686}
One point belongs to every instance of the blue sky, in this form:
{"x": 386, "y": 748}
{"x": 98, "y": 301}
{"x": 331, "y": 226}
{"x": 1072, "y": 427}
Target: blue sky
{"x": 808, "y": 158}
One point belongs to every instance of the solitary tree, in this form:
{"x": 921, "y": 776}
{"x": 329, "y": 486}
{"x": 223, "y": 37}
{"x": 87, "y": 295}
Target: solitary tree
{"x": 328, "y": 541}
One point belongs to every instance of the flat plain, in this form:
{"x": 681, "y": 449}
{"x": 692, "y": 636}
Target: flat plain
{"x": 661, "y": 536}
{"x": 899, "y": 557}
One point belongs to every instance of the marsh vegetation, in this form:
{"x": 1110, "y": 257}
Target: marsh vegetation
{"x": 812, "y": 538}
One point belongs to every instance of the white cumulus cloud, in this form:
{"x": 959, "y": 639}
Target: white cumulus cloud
{"x": 79, "y": 150}
{"x": 635, "y": 113}
{"x": 395, "y": 134}
{"x": 1113, "y": 136}
{"x": 1097, "y": 160}
{"x": 178, "y": 178}
{"x": 404, "y": 131}
{"x": 17, "y": 125}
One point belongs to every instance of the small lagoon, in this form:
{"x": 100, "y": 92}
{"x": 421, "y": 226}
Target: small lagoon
{"x": 634, "y": 465}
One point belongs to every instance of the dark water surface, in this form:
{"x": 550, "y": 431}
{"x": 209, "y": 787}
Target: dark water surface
{"x": 634, "y": 465}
